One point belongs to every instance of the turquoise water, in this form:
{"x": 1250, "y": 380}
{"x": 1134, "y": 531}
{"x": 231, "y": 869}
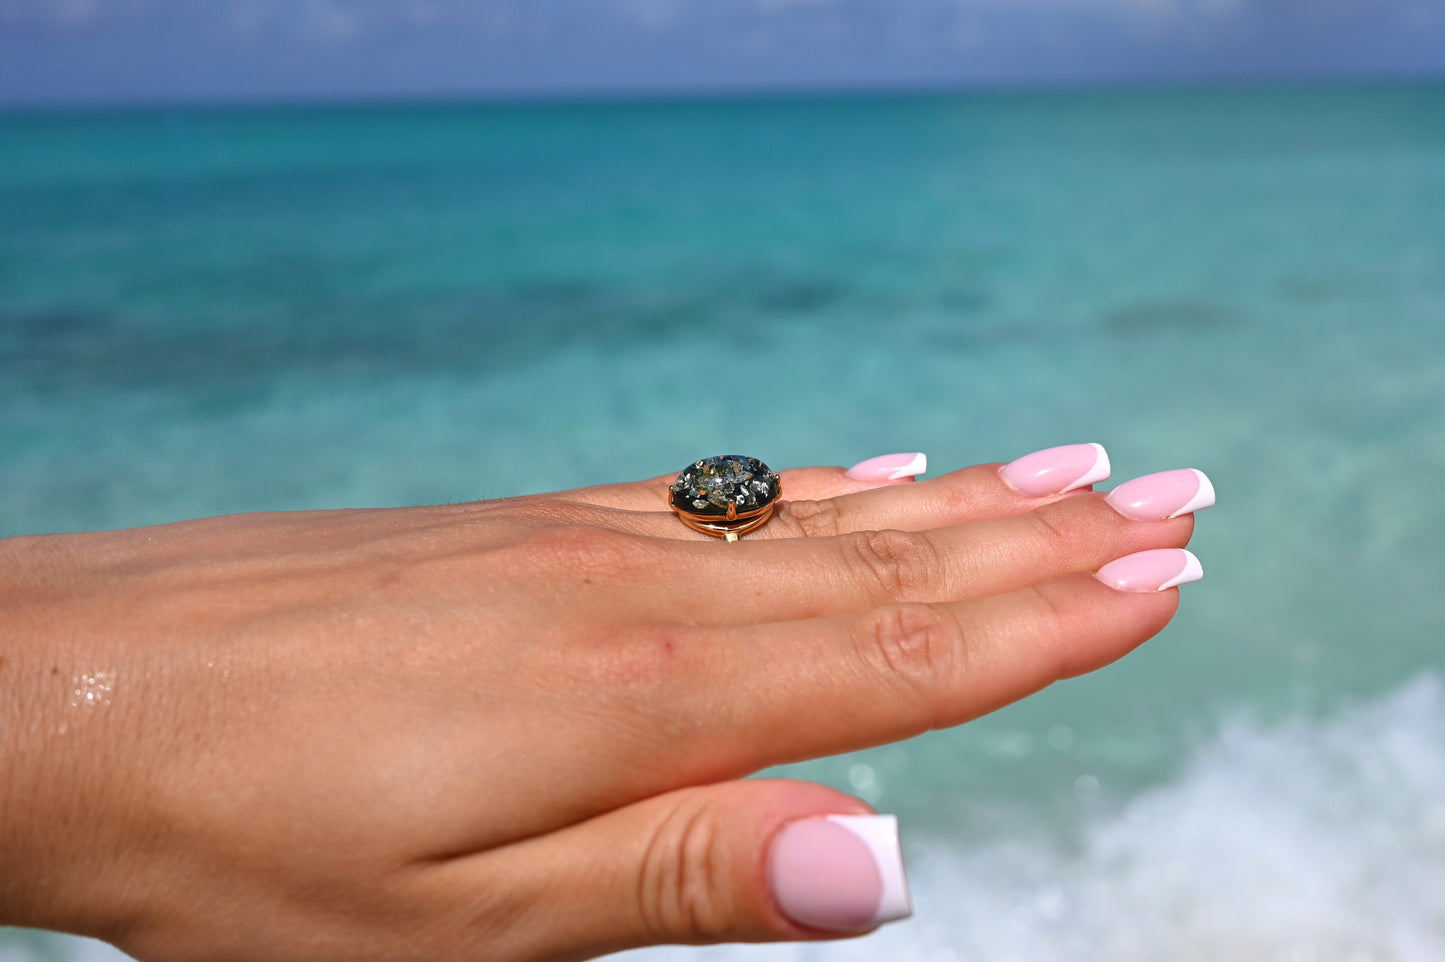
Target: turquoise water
{"x": 205, "y": 312}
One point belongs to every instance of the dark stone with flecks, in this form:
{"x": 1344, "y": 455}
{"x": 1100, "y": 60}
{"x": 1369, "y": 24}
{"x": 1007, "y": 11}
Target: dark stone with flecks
{"x": 708, "y": 486}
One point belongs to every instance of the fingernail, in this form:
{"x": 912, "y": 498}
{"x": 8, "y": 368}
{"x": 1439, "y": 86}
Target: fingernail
{"x": 1056, "y": 470}
{"x": 889, "y": 467}
{"x": 841, "y": 873}
{"x": 1152, "y": 570}
{"x": 1158, "y": 497}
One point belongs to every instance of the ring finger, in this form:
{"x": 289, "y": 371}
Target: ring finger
{"x": 972, "y": 494}
{"x": 791, "y": 578}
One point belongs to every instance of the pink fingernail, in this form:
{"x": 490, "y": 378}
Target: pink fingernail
{"x": 840, "y": 873}
{"x": 1056, "y": 470}
{"x": 1158, "y": 497}
{"x": 889, "y": 467}
{"x": 1152, "y": 570}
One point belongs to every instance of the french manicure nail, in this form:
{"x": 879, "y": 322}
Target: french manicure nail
{"x": 1152, "y": 570}
{"x": 889, "y": 467}
{"x": 1056, "y": 470}
{"x": 840, "y": 873}
{"x": 1158, "y": 497}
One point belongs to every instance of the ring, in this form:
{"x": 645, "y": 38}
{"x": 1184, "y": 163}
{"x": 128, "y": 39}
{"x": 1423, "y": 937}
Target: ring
{"x": 726, "y": 496}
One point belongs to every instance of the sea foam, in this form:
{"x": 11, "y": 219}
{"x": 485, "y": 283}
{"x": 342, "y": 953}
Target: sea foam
{"x": 1306, "y": 841}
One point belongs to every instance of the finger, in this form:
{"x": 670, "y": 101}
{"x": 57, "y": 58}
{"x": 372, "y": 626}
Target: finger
{"x": 808, "y": 484}
{"x": 738, "y": 862}
{"x": 900, "y": 670}
{"x": 781, "y": 580}
{"x": 973, "y": 494}
{"x": 962, "y": 497}
{"x": 978, "y": 493}
{"x": 721, "y": 702}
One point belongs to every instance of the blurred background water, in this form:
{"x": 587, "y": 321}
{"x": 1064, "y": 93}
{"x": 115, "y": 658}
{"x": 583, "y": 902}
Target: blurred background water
{"x": 207, "y": 311}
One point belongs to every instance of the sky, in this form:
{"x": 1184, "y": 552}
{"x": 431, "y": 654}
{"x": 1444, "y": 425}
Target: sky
{"x": 129, "y": 51}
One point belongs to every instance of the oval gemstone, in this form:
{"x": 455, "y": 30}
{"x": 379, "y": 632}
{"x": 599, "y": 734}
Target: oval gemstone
{"x": 708, "y": 486}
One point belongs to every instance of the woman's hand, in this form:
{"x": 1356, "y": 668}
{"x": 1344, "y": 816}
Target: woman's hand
{"x": 514, "y": 729}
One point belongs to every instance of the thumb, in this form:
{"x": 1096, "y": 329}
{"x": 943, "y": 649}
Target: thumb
{"x": 749, "y": 861}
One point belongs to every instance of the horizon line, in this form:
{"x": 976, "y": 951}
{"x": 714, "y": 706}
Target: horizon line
{"x": 721, "y": 93}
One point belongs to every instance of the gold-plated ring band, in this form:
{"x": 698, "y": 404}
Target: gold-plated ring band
{"x": 727, "y": 530}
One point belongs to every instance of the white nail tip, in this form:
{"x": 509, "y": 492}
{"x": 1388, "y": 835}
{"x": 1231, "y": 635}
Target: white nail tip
{"x": 880, "y": 834}
{"x": 919, "y": 465}
{"x": 1098, "y": 471}
{"x": 1202, "y": 498}
{"x": 1193, "y": 571}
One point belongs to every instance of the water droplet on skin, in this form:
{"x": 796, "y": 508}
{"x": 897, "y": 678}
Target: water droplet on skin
{"x": 91, "y": 689}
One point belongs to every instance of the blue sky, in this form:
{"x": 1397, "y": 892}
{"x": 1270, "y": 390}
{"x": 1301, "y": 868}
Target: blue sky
{"x": 148, "y": 50}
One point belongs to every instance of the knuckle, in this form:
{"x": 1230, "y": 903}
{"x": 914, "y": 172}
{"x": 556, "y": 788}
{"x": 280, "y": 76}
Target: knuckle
{"x": 681, "y": 892}
{"x": 1056, "y": 525}
{"x": 586, "y": 550}
{"x": 898, "y": 564}
{"x": 1052, "y": 622}
{"x": 918, "y": 648}
{"x": 642, "y": 680}
{"x": 639, "y": 667}
{"x": 550, "y": 510}
{"x": 809, "y": 519}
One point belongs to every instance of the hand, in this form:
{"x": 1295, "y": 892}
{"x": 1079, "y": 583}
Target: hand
{"x": 514, "y": 730}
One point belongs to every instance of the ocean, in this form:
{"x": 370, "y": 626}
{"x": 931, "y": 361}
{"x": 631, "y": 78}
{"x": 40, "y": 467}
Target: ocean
{"x": 219, "y": 310}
